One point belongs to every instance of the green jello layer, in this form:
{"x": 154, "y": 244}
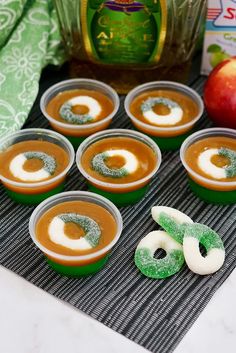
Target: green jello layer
{"x": 123, "y": 199}
{"x": 78, "y": 271}
{"x": 33, "y": 199}
{"x": 170, "y": 143}
{"x": 213, "y": 196}
{"x": 75, "y": 141}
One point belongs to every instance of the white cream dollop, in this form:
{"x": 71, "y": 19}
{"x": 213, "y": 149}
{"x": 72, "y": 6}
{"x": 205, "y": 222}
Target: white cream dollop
{"x": 16, "y": 167}
{"x": 56, "y": 231}
{"x": 174, "y": 117}
{"x": 131, "y": 161}
{"x": 209, "y": 168}
{"x": 91, "y": 103}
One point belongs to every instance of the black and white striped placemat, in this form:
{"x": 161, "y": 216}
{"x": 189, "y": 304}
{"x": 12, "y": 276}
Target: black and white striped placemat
{"x": 155, "y": 314}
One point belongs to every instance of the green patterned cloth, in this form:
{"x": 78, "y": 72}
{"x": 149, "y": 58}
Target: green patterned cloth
{"x": 29, "y": 40}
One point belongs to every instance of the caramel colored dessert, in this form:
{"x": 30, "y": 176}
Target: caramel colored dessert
{"x": 55, "y": 104}
{"x": 194, "y": 151}
{"x": 104, "y": 219}
{"x": 146, "y": 159}
{"x": 33, "y": 164}
{"x": 189, "y": 107}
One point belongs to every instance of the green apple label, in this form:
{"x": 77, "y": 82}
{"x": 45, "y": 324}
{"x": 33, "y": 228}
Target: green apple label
{"x": 126, "y": 31}
{"x": 217, "y": 54}
{"x": 220, "y": 34}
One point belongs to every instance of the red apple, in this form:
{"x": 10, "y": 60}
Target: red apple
{"x": 220, "y": 94}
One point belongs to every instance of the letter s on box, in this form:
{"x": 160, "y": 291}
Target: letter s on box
{"x": 231, "y": 13}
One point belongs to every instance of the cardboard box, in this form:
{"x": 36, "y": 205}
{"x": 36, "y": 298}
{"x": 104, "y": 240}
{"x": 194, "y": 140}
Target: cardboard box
{"x": 220, "y": 35}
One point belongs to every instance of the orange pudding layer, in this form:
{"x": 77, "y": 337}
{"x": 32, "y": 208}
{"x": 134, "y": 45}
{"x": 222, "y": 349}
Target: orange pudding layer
{"x": 190, "y": 108}
{"x": 55, "y": 104}
{"x": 188, "y": 105}
{"x": 192, "y": 153}
{"x": 147, "y": 160}
{"x": 81, "y": 133}
{"x": 99, "y": 214}
{"x": 31, "y": 165}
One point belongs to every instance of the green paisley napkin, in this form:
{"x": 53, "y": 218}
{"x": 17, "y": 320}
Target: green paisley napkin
{"x": 29, "y": 40}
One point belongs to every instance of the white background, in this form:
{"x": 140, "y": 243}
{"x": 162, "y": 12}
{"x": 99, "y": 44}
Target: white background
{"x": 33, "y": 321}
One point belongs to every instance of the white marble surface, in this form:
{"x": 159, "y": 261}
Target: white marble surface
{"x": 32, "y": 321}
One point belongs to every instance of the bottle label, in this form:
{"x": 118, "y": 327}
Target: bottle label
{"x": 124, "y": 31}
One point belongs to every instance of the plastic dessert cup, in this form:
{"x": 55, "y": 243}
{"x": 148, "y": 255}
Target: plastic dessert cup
{"x": 167, "y": 138}
{"x": 34, "y": 193}
{"x": 79, "y": 265}
{"x": 209, "y": 190}
{"x": 119, "y": 194}
{"x": 74, "y": 132}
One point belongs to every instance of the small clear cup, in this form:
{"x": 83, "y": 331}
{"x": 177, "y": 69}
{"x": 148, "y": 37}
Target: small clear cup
{"x": 77, "y": 133}
{"x": 120, "y": 194}
{"x": 211, "y": 191}
{"x": 167, "y": 138}
{"x": 34, "y": 193}
{"x": 79, "y": 265}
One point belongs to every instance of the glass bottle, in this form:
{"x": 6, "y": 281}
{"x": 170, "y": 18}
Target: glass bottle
{"x": 128, "y": 42}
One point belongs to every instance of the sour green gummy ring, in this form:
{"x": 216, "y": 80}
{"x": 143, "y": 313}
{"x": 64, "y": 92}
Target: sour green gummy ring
{"x": 230, "y": 170}
{"x": 49, "y": 162}
{"x": 90, "y": 227}
{"x": 174, "y": 117}
{"x": 94, "y": 109}
{"x": 172, "y": 221}
{"x": 16, "y": 166}
{"x": 159, "y": 268}
{"x": 207, "y": 166}
{"x": 198, "y": 233}
{"x": 99, "y": 163}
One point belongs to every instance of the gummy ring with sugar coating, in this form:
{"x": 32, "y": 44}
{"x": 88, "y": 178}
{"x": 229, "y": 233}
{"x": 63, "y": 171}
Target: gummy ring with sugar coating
{"x": 175, "y": 115}
{"x": 172, "y": 221}
{"x": 16, "y": 166}
{"x": 90, "y": 227}
{"x": 205, "y": 163}
{"x": 94, "y": 110}
{"x": 130, "y": 166}
{"x": 198, "y": 233}
{"x": 159, "y": 268}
